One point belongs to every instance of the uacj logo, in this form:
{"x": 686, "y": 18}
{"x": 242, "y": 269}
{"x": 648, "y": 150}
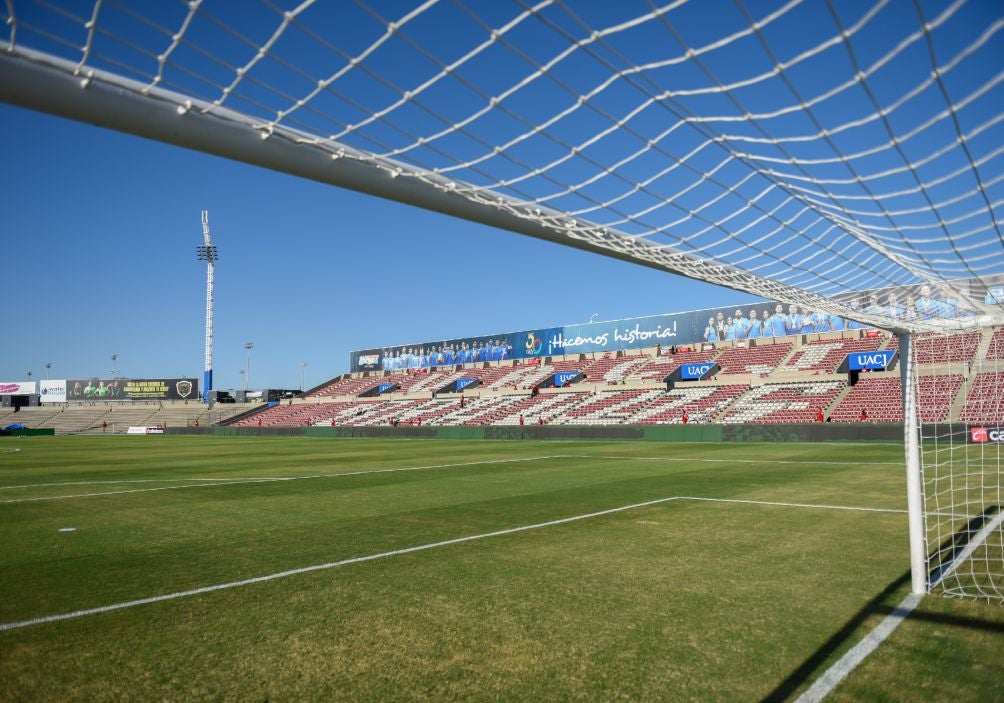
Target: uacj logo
{"x": 533, "y": 344}
{"x": 980, "y": 435}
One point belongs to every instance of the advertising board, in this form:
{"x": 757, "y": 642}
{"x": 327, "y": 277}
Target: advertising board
{"x": 18, "y": 387}
{"x": 872, "y": 361}
{"x": 986, "y": 435}
{"x": 52, "y": 391}
{"x": 132, "y": 389}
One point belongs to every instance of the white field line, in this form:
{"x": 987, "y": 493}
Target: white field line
{"x": 817, "y": 506}
{"x": 4, "y": 627}
{"x": 685, "y": 460}
{"x": 825, "y": 684}
{"x": 264, "y": 479}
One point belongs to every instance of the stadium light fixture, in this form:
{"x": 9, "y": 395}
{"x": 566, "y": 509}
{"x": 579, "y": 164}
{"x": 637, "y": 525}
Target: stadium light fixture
{"x": 248, "y": 346}
{"x": 302, "y": 365}
{"x": 115, "y": 357}
{"x": 48, "y": 365}
{"x": 29, "y": 377}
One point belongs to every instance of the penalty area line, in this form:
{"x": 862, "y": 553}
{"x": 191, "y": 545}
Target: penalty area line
{"x": 5, "y": 627}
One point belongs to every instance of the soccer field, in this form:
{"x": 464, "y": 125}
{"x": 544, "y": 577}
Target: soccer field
{"x": 324, "y": 569}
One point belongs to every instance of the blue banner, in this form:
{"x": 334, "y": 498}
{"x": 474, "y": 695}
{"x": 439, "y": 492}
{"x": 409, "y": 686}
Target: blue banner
{"x": 748, "y": 321}
{"x": 694, "y": 372}
{"x": 563, "y": 377}
{"x": 873, "y": 361}
{"x": 462, "y": 383}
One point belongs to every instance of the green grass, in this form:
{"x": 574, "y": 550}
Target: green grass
{"x": 683, "y": 600}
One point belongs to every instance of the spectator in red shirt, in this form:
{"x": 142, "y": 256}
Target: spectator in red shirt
{"x": 863, "y": 416}
{"x": 819, "y": 416}
{"x": 521, "y": 419}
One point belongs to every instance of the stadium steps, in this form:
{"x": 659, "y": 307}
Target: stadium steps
{"x": 828, "y": 410}
{"x": 983, "y": 349}
{"x": 959, "y": 401}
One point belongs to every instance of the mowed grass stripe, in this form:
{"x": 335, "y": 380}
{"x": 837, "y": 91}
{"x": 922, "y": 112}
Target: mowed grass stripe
{"x": 129, "y": 546}
{"x": 641, "y": 605}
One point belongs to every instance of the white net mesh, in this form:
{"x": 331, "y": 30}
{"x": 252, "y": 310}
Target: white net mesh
{"x": 843, "y": 157}
{"x": 964, "y": 497}
{"x": 802, "y": 150}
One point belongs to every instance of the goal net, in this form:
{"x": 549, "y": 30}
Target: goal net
{"x": 961, "y": 425}
{"x": 805, "y": 151}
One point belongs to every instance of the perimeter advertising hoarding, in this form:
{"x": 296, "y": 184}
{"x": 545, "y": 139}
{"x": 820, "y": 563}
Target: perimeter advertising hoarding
{"x": 52, "y": 391}
{"x": 133, "y": 389}
{"x": 17, "y": 387}
{"x": 986, "y": 435}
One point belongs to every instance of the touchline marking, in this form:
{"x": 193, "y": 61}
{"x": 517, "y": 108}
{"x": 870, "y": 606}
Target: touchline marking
{"x": 825, "y": 684}
{"x": 4, "y": 627}
{"x": 264, "y": 479}
{"x": 807, "y": 462}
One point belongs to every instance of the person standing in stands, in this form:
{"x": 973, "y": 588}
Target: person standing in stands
{"x": 521, "y": 419}
{"x": 863, "y": 416}
{"x": 819, "y": 416}
{"x": 685, "y": 418}
{"x": 104, "y": 425}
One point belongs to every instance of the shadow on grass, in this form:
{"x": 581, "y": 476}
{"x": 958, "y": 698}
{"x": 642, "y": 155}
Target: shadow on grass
{"x": 807, "y": 668}
{"x": 950, "y": 549}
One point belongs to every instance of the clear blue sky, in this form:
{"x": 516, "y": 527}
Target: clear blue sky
{"x": 100, "y": 231}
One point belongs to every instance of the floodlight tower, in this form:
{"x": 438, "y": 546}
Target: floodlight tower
{"x": 208, "y": 253}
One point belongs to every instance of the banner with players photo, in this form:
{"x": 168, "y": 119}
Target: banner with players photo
{"x": 132, "y": 389}
{"x": 734, "y": 323}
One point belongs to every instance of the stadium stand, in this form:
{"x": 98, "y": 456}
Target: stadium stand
{"x": 758, "y": 360}
{"x": 933, "y": 349}
{"x": 985, "y": 402}
{"x": 883, "y": 401}
{"x": 771, "y": 403}
{"x": 824, "y": 356}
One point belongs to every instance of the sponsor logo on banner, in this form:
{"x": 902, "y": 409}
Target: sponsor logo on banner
{"x": 53, "y": 391}
{"x": 17, "y": 388}
{"x": 984, "y": 435}
{"x": 693, "y": 372}
{"x": 563, "y": 377}
{"x": 369, "y": 361}
{"x": 184, "y": 388}
{"x": 534, "y": 343}
{"x": 870, "y": 360}
{"x": 464, "y": 382}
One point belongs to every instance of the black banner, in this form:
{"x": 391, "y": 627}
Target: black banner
{"x": 132, "y": 389}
